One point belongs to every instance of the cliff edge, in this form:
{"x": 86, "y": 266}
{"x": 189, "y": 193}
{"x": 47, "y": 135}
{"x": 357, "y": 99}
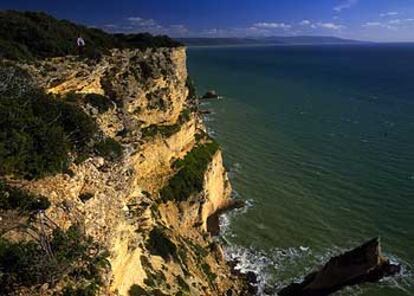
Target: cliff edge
{"x": 142, "y": 187}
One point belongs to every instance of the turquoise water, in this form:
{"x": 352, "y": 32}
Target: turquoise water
{"x": 320, "y": 142}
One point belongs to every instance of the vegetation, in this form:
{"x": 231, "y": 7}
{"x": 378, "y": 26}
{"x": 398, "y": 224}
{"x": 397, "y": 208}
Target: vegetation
{"x": 109, "y": 149}
{"x": 146, "y": 40}
{"x": 183, "y": 284}
{"x": 28, "y": 35}
{"x": 166, "y": 131}
{"x": 41, "y": 133}
{"x": 159, "y": 244}
{"x": 21, "y": 201}
{"x": 189, "y": 178}
{"x": 207, "y": 271}
{"x": 70, "y": 255}
{"x": 100, "y": 102}
{"x": 38, "y": 131}
{"x": 192, "y": 91}
{"x": 136, "y": 290}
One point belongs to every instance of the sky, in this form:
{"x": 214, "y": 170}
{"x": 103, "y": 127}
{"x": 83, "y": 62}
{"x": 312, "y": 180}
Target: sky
{"x": 372, "y": 20}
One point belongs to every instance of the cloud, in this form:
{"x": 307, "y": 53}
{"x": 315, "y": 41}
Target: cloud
{"x": 373, "y": 24}
{"x": 266, "y": 25}
{"x": 142, "y": 22}
{"x": 345, "y": 4}
{"x": 237, "y": 32}
{"x": 111, "y": 26}
{"x": 137, "y": 24}
{"x": 329, "y": 26}
{"x": 321, "y": 25}
{"x": 389, "y": 13}
{"x": 393, "y": 24}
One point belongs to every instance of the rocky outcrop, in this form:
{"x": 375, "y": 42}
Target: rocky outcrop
{"x": 161, "y": 247}
{"x": 211, "y": 94}
{"x": 363, "y": 264}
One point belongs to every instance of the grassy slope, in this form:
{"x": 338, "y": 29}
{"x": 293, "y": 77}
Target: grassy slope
{"x": 27, "y": 35}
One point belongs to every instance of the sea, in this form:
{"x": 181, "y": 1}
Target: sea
{"x": 319, "y": 142}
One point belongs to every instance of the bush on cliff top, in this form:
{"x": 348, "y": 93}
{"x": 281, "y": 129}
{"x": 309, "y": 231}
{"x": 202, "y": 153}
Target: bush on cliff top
{"x": 27, "y": 35}
{"x": 190, "y": 173}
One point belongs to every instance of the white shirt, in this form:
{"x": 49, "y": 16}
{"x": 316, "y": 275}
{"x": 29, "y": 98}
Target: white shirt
{"x": 80, "y": 41}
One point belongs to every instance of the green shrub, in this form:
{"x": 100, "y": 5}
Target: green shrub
{"x": 185, "y": 116}
{"x": 100, "y": 102}
{"x": 163, "y": 130}
{"x": 73, "y": 97}
{"x": 37, "y": 132}
{"x": 78, "y": 126}
{"x": 207, "y": 271}
{"x": 30, "y": 144}
{"x": 192, "y": 91}
{"x": 73, "y": 256}
{"x": 28, "y": 35}
{"x": 17, "y": 199}
{"x": 166, "y": 131}
{"x": 109, "y": 149}
{"x": 159, "y": 244}
{"x": 190, "y": 173}
{"x": 146, "y": 40}
{"x": 136, "y": 290}
{"x": 89, "y": 290}
{"x": 183, "y": 284}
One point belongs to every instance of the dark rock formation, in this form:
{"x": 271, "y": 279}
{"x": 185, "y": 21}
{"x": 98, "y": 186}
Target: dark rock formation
{"x": 211, "y": 94}
{"x": 213, "y": 221}
{"x": 205, "y": 112}
{"x": 363, "y": 264}
{"x": 249, "y": 277}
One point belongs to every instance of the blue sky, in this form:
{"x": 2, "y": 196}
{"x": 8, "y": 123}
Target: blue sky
{"x": 377, "y": 20}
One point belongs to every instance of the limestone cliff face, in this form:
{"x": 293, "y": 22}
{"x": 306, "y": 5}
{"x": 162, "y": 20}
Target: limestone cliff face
{"x": 125, "y": 210}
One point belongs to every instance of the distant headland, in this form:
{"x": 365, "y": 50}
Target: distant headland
{"x": 282, "y": 40}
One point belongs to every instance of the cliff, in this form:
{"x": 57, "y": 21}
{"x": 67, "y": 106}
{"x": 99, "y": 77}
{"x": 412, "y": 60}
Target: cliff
{"x": 150, "y": 209}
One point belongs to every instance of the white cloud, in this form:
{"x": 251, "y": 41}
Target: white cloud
{"x": 389, "y": 13}
{"x": 378, "y": 25}
{"x": 111, "y": 26}
{"x": 345, "y": 4}
{"x": 328, "y": 26}
{"x": 401, "y": 21}
{"x": 394, "y": 24}
{"x": 136, "y": 24}
{"x": 142, "y": 22}
{"x": 321, "y": 25}
{"x": 266, "y": 25}
{"x": 373, "y": 24}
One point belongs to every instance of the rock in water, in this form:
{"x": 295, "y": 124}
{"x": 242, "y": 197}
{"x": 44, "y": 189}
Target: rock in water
{"x": 211, "y": 94}
{"x": 363, "y": 264}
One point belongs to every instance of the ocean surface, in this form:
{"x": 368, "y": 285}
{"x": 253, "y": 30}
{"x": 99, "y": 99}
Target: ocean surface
{"x": 319, "y": 140}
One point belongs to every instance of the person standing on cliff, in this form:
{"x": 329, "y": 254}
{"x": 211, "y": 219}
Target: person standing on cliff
{"x": 81, "y": 44}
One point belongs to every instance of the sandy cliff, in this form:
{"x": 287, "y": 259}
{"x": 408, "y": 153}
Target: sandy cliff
{"x": 155, "y": 123}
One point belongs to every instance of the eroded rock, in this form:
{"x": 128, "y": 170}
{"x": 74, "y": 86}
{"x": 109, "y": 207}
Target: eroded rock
{"x": 361, "y": 265}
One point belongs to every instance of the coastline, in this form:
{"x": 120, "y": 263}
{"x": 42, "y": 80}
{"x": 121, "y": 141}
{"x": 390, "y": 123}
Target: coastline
{"x": 304, "y": 255}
